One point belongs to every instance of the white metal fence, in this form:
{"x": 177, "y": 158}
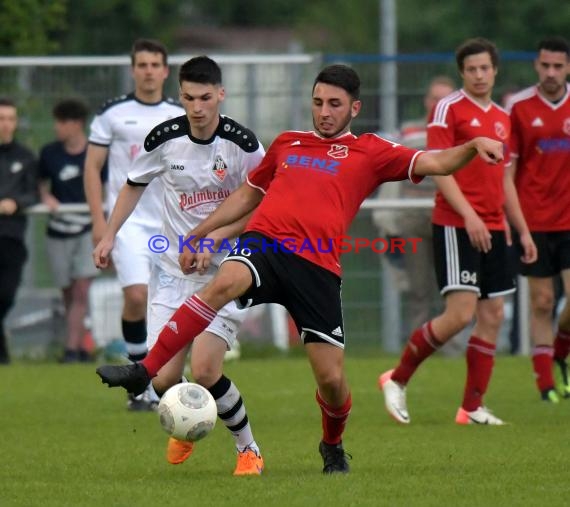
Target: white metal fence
{"x": 269, "y": 93}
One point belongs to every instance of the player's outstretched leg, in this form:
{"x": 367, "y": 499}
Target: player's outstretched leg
{"x": 132, "y": 377}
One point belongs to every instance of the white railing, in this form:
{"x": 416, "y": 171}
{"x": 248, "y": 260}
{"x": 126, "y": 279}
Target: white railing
{"x": 391, "y": 326}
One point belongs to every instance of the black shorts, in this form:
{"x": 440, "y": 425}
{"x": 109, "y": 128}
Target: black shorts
{"x": 553, "y": 254}
{"x": 310, "y": 293}
{"x": 459, "y": 266}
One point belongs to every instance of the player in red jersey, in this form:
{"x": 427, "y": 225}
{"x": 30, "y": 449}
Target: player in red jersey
{"x": 470, "y": 245}
{"x": 540, "y": 147}
{"x": 305, "y": 193}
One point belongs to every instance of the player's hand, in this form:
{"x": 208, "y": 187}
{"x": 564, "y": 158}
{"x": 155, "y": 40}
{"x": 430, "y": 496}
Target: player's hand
{"x": 530, "y": 253}
{"x": 187, "y": 259}
{"x": 51, "y": 202}
{"x": 478, "y": 233}
{"x": 102, "y": 253}
{"x": 8, "y": 206}
{"x": 489, "y": 150}
{"x": 203, "y": 261}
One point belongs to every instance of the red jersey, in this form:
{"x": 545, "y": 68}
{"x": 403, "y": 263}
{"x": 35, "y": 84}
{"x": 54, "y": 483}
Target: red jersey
{"x": 455, "y": 120}
{"x": 314, "y": 187}
{"x": 540, "y": 140}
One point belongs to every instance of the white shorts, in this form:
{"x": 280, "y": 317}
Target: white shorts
{"x": 132, "y": 257}
{"x": 166, "y": 293}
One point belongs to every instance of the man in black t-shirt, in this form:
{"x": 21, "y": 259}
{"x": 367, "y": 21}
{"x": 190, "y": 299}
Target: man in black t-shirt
{"x": 68, "y": 234}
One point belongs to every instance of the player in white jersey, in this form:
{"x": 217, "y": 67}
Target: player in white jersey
{"x": 200, "y": 158}
{"x": 117, "y": 132}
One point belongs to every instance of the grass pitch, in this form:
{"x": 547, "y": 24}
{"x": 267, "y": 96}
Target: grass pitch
{"x": 66, "y": 440}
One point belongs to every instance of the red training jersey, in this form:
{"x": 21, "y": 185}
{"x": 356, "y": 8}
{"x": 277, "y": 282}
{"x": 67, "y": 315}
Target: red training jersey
{"x": 314, "y": 187}
{"x": 455, "y": 120}
{"x": 540, "y": 140}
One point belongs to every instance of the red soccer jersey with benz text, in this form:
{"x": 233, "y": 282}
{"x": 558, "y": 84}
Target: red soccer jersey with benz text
{"x": 540, "y": 141}
{"x": 314, "y": 187}
{"x": 455, "y": 120}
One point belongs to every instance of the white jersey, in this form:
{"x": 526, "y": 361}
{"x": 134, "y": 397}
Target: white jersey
{"x": 122, "y": 125}
{"x": 196, "y": 176}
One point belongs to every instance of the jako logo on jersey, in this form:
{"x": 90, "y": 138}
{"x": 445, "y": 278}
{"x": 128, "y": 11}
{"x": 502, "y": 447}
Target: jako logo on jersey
{"x": 176, "y": 167}
{"x": 220, "y": 168}
{"x": 318, "y": 164}
{"x": 566, "y": 126}
{"x": 338, "y": 151}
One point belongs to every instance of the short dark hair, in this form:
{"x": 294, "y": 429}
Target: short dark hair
{"x": 555, "y": 44}
{"x": 70, "y": 109}
{"x": 6, "y": 102}
{"x": 200, "y": 69}
{"x": 342, "y": 76}
{"x": 150, "y": 45}
{"x": 474, "y": 47}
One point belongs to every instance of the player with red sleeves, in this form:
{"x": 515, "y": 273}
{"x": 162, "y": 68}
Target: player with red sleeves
{"x": 470, "y": 245}
{"x": 308, "y": 188}
{"x": 540, "y": 146}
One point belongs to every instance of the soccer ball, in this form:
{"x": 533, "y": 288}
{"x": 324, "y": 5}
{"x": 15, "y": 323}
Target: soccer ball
{"x": 187, "y": 412}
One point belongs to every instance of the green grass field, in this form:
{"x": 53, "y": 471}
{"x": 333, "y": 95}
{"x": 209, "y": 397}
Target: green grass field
{"x": 66, "y": 440}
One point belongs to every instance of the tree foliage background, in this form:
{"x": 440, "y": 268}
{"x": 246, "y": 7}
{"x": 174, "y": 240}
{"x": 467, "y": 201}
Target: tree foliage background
{"x": 109, "y": 26}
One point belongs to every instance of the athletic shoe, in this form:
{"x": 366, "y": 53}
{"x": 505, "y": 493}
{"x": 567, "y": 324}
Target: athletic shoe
{"x": 394, "y": 397}
{"x": 145, "y": 402}
{"x": 249, "y": 463}
{"x": 132, "y": 377}
{"x": 550, "y": 396}
{"x": 335, "y": 459}
{"x": 480, "y": 416}
{"x": 561, "y": 373}
{"x": 178, "y": 451}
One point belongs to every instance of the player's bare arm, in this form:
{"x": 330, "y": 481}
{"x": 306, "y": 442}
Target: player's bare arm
{"x": 516, "y": 217}
{"x": 94, "y": 163}
{"x": 238, "y": 204}
{"x": 476, "y": 229}
{"x": 126, "y": 202}
{"x": 448, "y": 161}
{"x": 191, "y": 262}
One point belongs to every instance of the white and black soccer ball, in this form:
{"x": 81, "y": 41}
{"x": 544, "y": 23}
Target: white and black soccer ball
{"x": 187, "y": 412}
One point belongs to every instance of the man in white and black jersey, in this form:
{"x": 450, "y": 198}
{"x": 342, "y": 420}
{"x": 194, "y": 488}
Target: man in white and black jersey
{"x": 117, "y": 134}
{"x": 200, "y": 158}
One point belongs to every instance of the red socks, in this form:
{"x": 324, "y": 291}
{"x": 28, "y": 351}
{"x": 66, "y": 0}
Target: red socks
{"x": 480, "y": 356}
{"x": 334, "y": 419}
{"x": 542, "y": 364}
{"x": 188, "y": 321}
{"x": 422, "y": 344}
{"x": 562, "y": 345}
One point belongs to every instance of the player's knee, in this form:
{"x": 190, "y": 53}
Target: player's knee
{"x": 543, "y": 303}
{"x": 135, "y": 301}
{"x": 493, "y": 317}
{"x": 330, "y": 381}
{"x": 205, "y": 373}
{"x": 460, "y": 317}
{"x": 223, "y": 289}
